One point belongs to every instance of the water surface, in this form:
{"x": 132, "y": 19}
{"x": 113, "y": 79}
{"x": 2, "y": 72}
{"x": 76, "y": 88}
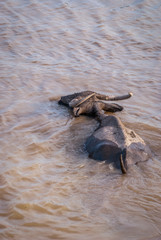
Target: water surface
{"x": 49, "y": 188}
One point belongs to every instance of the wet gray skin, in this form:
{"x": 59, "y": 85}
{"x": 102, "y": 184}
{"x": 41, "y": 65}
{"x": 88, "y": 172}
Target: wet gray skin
{"x": 111, "y": 141}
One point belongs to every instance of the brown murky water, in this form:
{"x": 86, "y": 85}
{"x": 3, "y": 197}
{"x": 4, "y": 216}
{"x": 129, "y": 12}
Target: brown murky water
{"x": 49, "y": 188}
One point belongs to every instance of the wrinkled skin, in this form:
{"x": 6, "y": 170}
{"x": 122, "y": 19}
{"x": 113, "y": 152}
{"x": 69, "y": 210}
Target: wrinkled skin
{"x": 112, "y": 141}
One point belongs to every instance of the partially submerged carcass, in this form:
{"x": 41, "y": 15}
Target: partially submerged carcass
{"x": 111, "y": 141}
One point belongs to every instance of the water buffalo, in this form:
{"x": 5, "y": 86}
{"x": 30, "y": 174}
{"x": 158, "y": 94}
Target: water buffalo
{"x": 111, "y": 141}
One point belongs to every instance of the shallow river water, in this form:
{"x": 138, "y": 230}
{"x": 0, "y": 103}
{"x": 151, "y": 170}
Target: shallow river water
{"x": 49, "y": 188}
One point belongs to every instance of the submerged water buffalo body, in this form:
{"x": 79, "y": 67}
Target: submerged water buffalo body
{"x": 112, "y": 141}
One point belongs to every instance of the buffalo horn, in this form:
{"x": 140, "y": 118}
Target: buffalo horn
{"x": 113, "y": 98}
{"x": 116, "y": 98}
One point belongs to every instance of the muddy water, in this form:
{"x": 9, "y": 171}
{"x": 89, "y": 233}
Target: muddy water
{"x": 49, "y": 188}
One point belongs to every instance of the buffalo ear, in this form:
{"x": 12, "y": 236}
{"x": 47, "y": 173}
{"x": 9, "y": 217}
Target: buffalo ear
{"x": 112, "y": 107}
